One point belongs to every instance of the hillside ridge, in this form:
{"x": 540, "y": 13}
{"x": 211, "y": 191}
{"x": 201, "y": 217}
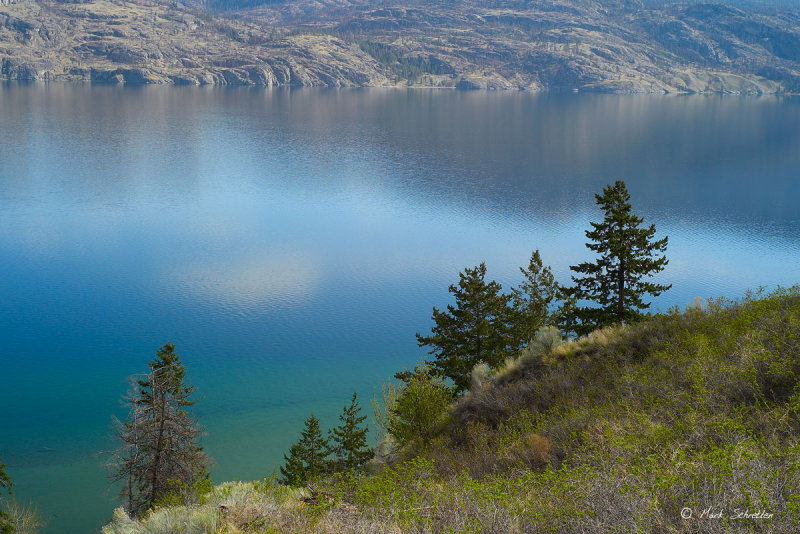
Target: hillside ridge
{"x": 586, "y": 45}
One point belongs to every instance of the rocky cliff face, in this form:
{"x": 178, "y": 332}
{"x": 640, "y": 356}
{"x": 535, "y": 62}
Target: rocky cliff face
{"x": 587, "y": 45}
{"x": 149, "y": 42}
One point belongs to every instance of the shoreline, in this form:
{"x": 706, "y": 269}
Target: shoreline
{"x": 415, "y": 87}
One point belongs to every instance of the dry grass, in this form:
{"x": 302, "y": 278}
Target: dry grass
{"x": 250, "y": 507}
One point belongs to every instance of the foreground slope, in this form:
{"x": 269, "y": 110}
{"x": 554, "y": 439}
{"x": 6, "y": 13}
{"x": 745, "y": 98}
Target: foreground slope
{"x": 687, "y": 423}
{"x": 590, "y": 45}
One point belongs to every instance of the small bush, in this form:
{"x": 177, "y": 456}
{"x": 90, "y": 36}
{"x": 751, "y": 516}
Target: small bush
{"x": 419, "y": 409}
{"x": 19, "y": 518}
{"x": 479, "y": 376}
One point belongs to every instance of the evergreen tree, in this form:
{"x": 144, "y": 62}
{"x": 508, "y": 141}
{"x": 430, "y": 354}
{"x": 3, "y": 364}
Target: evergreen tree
{"x": 531, "y": 301}
{"x": 293, "y": 471}
{"x": 159, "y": 448}
{"x": 307, "y": 458}
{"x": 475, "y": 330}
{"x": 627, "y": 254}
{"x": 348, "y": 441}
{"x": 566, "y": 316}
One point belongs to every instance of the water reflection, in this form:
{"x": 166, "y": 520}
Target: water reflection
{"x": 291, "y": 242}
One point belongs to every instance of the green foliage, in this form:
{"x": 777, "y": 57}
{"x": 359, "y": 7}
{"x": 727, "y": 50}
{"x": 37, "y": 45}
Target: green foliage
{"x": 398, "y": 489}
{"x": 615, "y": 281}
{"x": 348, "y": 441}
{"x": 293, "y": 469}
{"x": 307, "y": 458}
{"x": 20, "y": 519}
{"x": 409, "y": 68}
{"x": 5, "y": 481}
{"x": 621, "y": 429}
{"x": 14, "y": 517}
{"x": 418, "y": 408}
{"x": 531, "y": 301}
{"x": 159, "y": 439}
{"x": 566, "y": 316}
{"x": 230, "y": 32}
{"x": 180, "y": 493}
{"x": 475, "y": 330}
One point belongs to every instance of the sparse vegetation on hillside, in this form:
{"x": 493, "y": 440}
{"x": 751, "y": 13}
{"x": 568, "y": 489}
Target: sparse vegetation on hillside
{"x": 587, "y": 45}
{"x": 629, "y": 429}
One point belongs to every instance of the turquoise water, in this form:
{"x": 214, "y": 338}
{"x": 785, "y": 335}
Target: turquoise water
{"x": 290, "y": 243}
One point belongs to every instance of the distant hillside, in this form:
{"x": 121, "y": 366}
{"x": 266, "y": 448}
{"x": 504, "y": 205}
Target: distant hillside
{"x": 686, "y": 423}
{"x": 587, "y": 45}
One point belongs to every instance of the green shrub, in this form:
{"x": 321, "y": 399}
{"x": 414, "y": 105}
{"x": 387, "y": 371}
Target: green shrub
{"x": 182, "y": 494}
{"x": 419, "y": 409}
{"x": 16, "y": 518}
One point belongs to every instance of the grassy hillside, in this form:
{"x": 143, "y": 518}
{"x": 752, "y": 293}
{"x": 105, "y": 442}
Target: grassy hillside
{"x": 686, "y": 423}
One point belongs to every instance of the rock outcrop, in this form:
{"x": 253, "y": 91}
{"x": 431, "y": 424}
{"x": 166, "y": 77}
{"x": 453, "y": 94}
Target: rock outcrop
{"x": 584, "y": 45}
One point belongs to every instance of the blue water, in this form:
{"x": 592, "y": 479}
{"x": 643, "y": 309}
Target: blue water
{"x": 290, "y": 243}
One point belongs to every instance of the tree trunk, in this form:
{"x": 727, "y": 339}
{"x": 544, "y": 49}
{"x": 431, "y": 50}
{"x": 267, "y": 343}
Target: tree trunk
{"x": 159, "y": 443}
{"x": 621, "y": 291}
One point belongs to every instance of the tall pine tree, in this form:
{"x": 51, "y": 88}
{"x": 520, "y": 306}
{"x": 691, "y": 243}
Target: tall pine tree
{"x": 348, "y": 441}
{"x": 307, "y": 458}
{"x": 627, "y": 254}
{"x": 159, "y": 440}
{"x": 475, "y": 330}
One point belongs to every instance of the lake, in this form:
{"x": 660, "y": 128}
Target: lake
{"x": 291, "y": 243}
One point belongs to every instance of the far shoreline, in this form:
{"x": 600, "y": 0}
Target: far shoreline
{"x": 291, "y": 87}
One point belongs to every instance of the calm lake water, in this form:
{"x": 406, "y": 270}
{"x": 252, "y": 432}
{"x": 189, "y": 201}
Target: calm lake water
{"x": 290, "y": 243}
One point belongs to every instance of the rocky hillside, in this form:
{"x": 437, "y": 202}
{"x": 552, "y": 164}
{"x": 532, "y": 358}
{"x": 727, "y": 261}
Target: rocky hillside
{"x": 139, "y": 41}
{"x": 588, "y": 45}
